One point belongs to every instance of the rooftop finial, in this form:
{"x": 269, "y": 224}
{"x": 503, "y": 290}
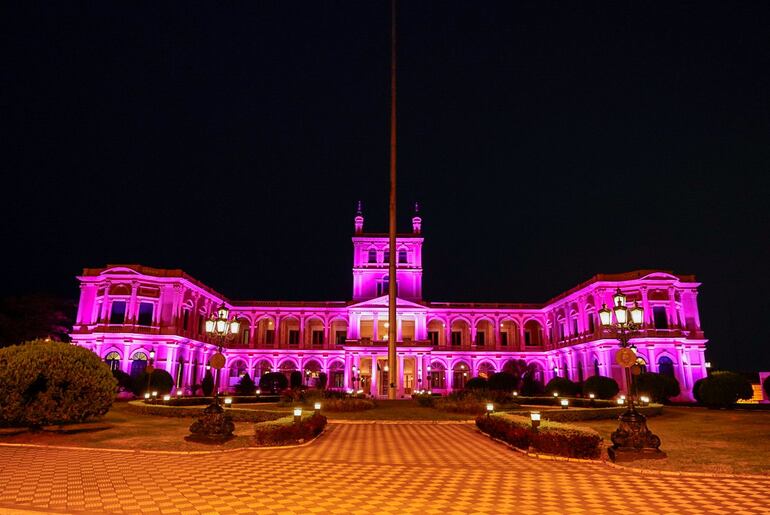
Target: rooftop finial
{"x": 416, "y": 219}
{"x": 359, "y": 210}
{"x": 416, "y": 208}
{"x": 359, "y": 219}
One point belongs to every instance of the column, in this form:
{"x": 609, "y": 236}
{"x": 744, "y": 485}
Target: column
{"x": 401, "y": 374}
{"x": 520, "y": 345}
{"x": 398, "y": 329}
{"x": 127, "y": 358}
{"x": 328, "y": 344}
{"x": 373, "y": 379}
{"x": 672, "y": 318}
{"x": 131, "y": 313}
{"x": 348, "y": 370}
{"x": 375, "y": 326}
{"x": 646, "y": 307}
{"x": 652, "y": 364}
{"x": 302, "y": 333}
{"x": 449, "y": 378}
{"x": 277, "y": 332}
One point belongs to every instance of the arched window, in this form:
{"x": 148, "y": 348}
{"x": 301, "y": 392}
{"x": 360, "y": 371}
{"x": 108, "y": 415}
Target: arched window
{"x": 386, "y": 256}
{"x": 486, "y": 370}
{"x": 460, "y": 375}
{"x": 402, "y": 256}
{"x": 138, "y": 363}
{"x": 596, "y": 367}
{"x": 437, "y": 376}
{"x": 113, "y": 360}
{"x": 666, "y": 366}
{"x": 372, "y": 257}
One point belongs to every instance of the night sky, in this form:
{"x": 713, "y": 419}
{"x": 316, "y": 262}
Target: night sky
{"x": 545, "y": 141}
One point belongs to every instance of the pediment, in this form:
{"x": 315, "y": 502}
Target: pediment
{"x": 659, "y": 275}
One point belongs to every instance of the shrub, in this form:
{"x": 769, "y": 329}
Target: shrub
{"x": 659, "y": 387}
{"x": 207, "y": 385}
{"x": 766, "y": 386}
{"x": 286, "y": 431}
{"x": 273, "y": 382}
{"x": 550, "y": 438}
{"x": 322, "y": 380}
{"x": 696, "y": 390}
{"x": 160, "y": 381}
{"x": 469, "y": 404}
{"x": 477, "y": 383}
{"x": 245, "y": 386}
{"x": 123, "y": 379}
{"x": 350, "y": 404}
{"x": 424, "y": 400}
{"x": 723, "y": 389}
{"x": 46, "y": 383}
{"x": 561, "y": 385}
{"x": 503, "y": 381}
{"x": 601, "y": 386}
{"x": 295, "y": 379}
{"x": 531, "y": 386}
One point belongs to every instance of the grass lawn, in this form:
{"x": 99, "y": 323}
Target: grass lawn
{"x": 703, "y": 440}
{"x": 397, "y": 410}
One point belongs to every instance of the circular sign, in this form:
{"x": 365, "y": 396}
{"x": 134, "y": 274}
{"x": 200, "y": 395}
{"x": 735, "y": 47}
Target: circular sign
{"x": 636, "y": 370}
{"x": 625, "y": 357}
{"x": 217, "y": 361}
{"x": 149, "y": 369}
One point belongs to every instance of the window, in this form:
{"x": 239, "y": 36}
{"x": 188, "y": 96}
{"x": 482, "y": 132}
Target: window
{"x": 269, "y": 336}
{"x": 340, "y": 337}
{"x": 457, "y": 338}
{"x": 438, "y": 380}
{"x": 596, "y": 367}
{"x": 504, "y": 339}
{"x": 113, "y": 360}
{"x": 145, "y": 313}
{"x": 561, "y": 330}
{"x": 659, "y": 317}
{"x": 480, "y": 337}
{"x": 575, "y": 330}
{"x": 318, "y": 337}
{"x": 402, "y": 256}
{"x": 382, "y": 287}
{"x": 293, "y": 337}
{"x": 433, "y": 337}
{"x": 185, "y": 319}
{"x": 527, "y": 337}
{"x": 666, "y": 366}
{"x": 244, "y": 335}
{"x": 590, "y": 319}
{"x": 386, "y": 256}
{"x": 118, "y": 312}
{"x": 201, "y": 322}
{"x": 372, "y": 258}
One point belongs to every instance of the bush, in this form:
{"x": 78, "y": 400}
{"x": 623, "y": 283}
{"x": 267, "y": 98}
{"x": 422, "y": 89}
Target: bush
{"x": 123, "y": 379}
{"x": 273, "y": 382}
{"x": 160, "y": 381}
{"x": 46, "y": 383}
{"x": 503, "y": 381}
{"x": 295, "y": 379}
{"x": 696, "y": 390}
{"x": 550, "y": 438}
{"x": 659, "y": 387}
{"x": 322, "y": 380}
{"x": 530, "y": 386}
{"x": 350, "y": 404}
{"x": 766, "y": 386}
{"x": 245, "y": 386}
{"x": 477, "y": 383}
{"x": 563, "y": 386}
{"x": 723, "y": 389}
{"x": 207, "y": 385}
{"x": 424, "y": 400}
{"x": 286, "y": 431}
{"x": 601, "y": 386}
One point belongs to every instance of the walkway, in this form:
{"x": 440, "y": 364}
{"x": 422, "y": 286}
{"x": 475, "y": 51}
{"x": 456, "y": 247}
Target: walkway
{"x": 356, "y": 469}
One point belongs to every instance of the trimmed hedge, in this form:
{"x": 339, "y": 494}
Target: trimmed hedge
{"x": 468, "y": 405}
{"x": 550, "y": 437}
{"x": 44, "y": 383}
{"x": 160, "y": 381}
{"x": 563, "y": 386}
{"x": 285, "y": 431}
{"x": 601, "y": 386}
{"x": 766, "y": 386}
{"x": 238, "y": 415}
{"x": 723, "y": 389}
{"x": 659, "y": 387}
{"x": 347, "y": 405}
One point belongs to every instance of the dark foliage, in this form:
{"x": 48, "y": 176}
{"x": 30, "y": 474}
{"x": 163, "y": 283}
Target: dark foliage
{"x": 477, "y": 383}
{"x": 766, "y": 386}
{"x": 31, "y": 317}
{"x": 207, "y": 385}
{"x": 530, "y": 386}
{"x": 285, "y": 431}
{"x": 563, "y": 386}
{"x": 601, "y": 386}
{"x": 160, "y": 381}
{"x": 503, "y": 381}
{"x": 124, "y": 380}
{"x": 696, "y": 390}
{"x": 723, "y": 389}
{"x": 659, "y": 387}
{"x": 295, "y": 379}
{"x": 322, "y": 380}
{"x": 273, "y": 382}
{"x": 246, "y": 386}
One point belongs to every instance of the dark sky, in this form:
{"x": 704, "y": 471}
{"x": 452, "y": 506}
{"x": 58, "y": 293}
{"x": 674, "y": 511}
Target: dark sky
{"x": 546, "y": 142}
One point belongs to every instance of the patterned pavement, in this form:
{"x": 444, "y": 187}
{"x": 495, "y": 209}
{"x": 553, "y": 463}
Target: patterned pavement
{"x": 370, "y": 468}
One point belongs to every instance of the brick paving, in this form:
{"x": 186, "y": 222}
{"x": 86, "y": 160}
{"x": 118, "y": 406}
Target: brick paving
{"x": 356, "y": 469}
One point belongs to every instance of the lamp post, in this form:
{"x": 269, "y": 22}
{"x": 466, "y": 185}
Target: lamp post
{"x": 214, "y": 425}
{"x": 632, "y": 439}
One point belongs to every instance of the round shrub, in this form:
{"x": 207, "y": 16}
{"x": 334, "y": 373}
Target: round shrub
{"x": 477, "y": 383}
{"x": 160, "y": 381}
{"x": 723, "y": 389}
{"x": 530, "y": 386}
{"x": 123, "y": 379}
{"x": 696, "y": 390}
{"x": 295, "y": 378}
{"x": 245, "y": 386}
{"x": 602, "y": 387}
{"x": 563, "y": 386}
{"x": 766, "y": 386}
{"x": 659, "y": 387}
{"x": 322, "y": 380}
{"x": 503, "y": 381}
{"x": 46, "y": 383}
{"x": 273, "y": 382}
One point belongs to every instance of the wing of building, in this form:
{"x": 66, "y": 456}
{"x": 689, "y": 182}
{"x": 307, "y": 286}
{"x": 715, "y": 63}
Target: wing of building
{"x": 126, "y": 311}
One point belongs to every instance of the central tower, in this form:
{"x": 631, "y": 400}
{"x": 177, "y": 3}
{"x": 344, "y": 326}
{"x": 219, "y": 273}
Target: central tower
{"x": 371, "y": 252}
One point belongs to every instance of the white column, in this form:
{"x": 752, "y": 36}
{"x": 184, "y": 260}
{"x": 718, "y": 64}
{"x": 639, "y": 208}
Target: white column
{"x": 373, "y": 378}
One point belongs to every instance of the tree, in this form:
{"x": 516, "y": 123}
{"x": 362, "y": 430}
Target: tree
{"x": 273, "y": 382}
{"x": 503, "y": 381}
{"x": 723, "y": 389}
{"x": 295, "y": 379}
{"x": 531, "y": 386}
{"x": 322, "y": 379}
{"x": 602, "y": 387}
{"x": 207, "y": 385}
{"x": 561, "y": 385}
{"x": 39, "y": 316}
{"x": 659, "y": 387}
{"x": 477, "y": 383}
{"x": 245, "y": 386}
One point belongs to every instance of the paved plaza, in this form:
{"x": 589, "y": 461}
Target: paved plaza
{"x": 356, "y": 468}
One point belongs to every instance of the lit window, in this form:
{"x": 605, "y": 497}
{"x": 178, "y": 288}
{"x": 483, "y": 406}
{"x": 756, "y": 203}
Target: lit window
{"x": 402, "y": 256}
{"x": 145, "y": 314}
{"x": 118, "y": 312}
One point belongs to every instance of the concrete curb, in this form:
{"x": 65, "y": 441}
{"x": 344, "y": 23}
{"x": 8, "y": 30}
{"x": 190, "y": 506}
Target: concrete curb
{"x": 176, "y": 453}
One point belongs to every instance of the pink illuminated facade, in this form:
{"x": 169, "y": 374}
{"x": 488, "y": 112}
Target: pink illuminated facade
{"x": 126, "y": 311}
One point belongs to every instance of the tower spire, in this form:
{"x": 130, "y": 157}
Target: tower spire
{"x": 359, "y": 219}
{"x": 416, "y": 219}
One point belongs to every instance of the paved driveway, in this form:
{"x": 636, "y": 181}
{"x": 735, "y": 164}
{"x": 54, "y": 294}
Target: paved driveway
{"x": 357, "y": 469}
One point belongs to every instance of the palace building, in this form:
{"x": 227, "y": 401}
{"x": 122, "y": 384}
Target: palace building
{"x": 127, "y": 311}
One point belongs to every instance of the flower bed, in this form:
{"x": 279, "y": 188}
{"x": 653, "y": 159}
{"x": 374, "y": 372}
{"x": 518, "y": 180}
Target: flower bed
{"x": 238, "y": 415}
{"x": 549, "y": 438}
{"x": 285, "y": 431}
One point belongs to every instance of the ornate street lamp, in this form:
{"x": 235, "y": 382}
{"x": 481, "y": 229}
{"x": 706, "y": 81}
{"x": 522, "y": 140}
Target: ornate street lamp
{"x": 214, "y": 426}
{"x": 632, "y": 440}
